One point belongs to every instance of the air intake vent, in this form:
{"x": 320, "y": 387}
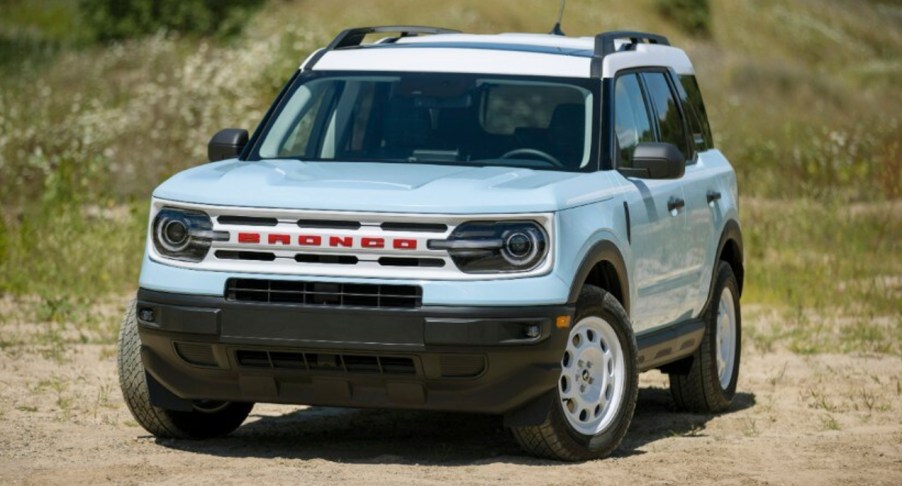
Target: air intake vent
{"x": 329, "y": 294}
{"x": 196, "y": 354}
{"x": 319, "y": 362}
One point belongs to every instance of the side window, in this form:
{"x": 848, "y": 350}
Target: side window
{"x": 670, "y": 121}
{"x": 698, "y": 117}
{"x": 632, "y": 124}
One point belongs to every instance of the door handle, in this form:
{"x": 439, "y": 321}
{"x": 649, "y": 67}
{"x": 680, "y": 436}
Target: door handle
{"x": 675, "y": 203}
{"x": 713, "y": 196}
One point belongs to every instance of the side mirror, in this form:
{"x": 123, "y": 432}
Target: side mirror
{"x": 652, "y": 160}
{"x": 226, "y": 144}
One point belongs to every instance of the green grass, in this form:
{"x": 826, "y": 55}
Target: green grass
{"x": 803, "y": 97}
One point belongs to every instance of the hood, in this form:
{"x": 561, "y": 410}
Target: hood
{"x": 379, "y": 187}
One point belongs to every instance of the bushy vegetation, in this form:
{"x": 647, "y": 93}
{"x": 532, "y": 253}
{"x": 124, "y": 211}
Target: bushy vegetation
{"x": 124, "y": 19}
{"x": 693, "y": 16}
{"x": 803, "y": 98}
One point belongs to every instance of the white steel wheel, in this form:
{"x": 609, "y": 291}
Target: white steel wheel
{"x": 726, "y": 338}
{"x": 592, "y": 376}
{"x": 706, "y": 381}
{"x": 592, "y": 406}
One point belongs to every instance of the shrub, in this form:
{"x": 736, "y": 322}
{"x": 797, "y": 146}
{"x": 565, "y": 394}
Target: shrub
{"x": 693, "y": 16}
{"x": 122, "y": 19}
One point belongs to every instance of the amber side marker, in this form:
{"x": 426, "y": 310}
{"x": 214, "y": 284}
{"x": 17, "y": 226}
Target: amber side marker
{"x": 562, "y": 322}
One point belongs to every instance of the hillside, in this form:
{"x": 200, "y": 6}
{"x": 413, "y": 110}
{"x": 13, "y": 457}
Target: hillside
{"x": 804, "y": 98}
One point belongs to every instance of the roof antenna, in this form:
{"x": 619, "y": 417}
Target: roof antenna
{"x": 560, "y": 15}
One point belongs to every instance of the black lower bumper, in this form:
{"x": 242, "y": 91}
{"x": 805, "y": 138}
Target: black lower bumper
{"x": 477, "y": 359}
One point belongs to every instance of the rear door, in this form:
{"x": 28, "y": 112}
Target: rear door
{"x": 704, "y": 187}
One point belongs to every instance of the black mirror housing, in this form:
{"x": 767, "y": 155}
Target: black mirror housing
{"x": 227, "y": 144}
{"x": 653, "y": 160}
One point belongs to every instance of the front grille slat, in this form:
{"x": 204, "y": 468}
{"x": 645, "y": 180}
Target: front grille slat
{"x": 329, "y": 294}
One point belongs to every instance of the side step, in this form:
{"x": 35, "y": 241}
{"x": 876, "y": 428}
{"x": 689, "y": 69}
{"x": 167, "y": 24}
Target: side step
{"x": 666, "y": 345}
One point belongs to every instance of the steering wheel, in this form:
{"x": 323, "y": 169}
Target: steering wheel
{"x": 535, "y": 152}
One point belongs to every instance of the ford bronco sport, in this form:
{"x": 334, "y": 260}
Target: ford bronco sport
{"x": 513, "y": 224}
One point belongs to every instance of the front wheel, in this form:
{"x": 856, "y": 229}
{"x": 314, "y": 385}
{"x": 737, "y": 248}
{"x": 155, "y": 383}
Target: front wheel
{"x": 208, "y": 418}
{"x": 596, "y": 393}
{"x": 710, "y": 384}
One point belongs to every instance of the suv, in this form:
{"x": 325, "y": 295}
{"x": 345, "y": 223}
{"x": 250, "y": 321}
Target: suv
{"x": 512, "y": 224}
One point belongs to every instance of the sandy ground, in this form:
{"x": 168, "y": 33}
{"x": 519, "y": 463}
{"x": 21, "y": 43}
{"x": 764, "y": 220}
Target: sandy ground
{"x": 822, "y": 419}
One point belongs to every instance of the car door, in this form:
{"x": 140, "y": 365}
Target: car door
{"x": 658, "y": 225}
{"x": 704, "y": 189}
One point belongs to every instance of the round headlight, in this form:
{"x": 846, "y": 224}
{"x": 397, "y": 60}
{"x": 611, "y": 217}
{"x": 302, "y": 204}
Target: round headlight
{"x": 495, "y": 246}
{"x": 175, "y": 233}
{"x": 520, "y": 246}
{"x": 183, "y": 234}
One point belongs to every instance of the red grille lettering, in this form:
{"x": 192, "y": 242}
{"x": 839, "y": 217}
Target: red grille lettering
{"x": 405, "y": 244}
{"x": 283, "y": 239}
{"x": 248, "y": 237}
{"x": 345, "y": 241}
{"x": 373, "y": 242}
{"x": 310, "y": 240}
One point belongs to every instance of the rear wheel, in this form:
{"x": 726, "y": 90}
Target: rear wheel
{"x": 596, "y": 393}
{"x": 710, "y": 384}
{"x": 208, "y": 419}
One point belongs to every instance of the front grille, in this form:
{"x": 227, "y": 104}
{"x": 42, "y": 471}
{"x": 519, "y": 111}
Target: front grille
{"x": 259, "y": 256}
{"x": 329, "y": 294}
{"x": 386, "y": 365}
{"x": 247, "y": 221}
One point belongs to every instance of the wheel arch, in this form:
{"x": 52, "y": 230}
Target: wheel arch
{"x": 604, "y": 267}
{"x": 729, "y": 249}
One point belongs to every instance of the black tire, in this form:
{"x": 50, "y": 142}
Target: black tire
{"x": 209, "y": 419}
{"x": 556, "y": 438}
{"x": 700, "y": 389}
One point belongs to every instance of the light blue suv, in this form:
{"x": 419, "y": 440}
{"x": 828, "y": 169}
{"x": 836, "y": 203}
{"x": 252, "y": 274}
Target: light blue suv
{"x": 513, "y": 224}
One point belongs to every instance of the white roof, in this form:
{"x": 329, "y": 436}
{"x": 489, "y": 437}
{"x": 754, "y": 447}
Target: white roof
{"x": 530, "y": 54}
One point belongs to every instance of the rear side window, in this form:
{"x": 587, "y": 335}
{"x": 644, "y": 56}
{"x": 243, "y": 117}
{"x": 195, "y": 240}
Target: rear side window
{"x": 632, "y": 123}
{"x": 695, "y": 111}
{"x": 670, "y": 121}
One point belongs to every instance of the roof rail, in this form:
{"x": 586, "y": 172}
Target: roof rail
{"x": 604, "y": 45}
{"x": 604, "y": 42}
{"x": 353, "y": 37}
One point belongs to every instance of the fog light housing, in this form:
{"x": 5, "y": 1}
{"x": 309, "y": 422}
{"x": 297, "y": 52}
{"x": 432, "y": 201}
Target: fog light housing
{"x": 146, "y": 314}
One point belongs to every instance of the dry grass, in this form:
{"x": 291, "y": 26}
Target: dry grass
{"x": 803, "y": 97}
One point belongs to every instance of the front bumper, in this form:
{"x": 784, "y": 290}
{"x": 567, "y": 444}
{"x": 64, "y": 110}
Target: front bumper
{"x": 475, "y": 359}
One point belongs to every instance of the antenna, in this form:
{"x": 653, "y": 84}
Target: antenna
{"x": 557, "y": 25}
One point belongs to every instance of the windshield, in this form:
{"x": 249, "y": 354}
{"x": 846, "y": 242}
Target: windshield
{"x": 460, "y": 119}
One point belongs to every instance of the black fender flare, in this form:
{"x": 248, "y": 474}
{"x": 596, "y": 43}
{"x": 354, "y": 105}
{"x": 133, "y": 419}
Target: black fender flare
{"x": 731, "y": 232}
{"x": 602, "y": 251}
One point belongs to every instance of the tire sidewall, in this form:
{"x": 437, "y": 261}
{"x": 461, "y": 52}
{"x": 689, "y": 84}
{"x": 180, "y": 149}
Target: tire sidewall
{"x": 597, "y": 303}
{"x": 725, "y": 279}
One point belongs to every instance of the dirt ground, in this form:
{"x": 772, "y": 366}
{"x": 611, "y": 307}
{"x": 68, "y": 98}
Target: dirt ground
{"x": 819, "y": 419}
